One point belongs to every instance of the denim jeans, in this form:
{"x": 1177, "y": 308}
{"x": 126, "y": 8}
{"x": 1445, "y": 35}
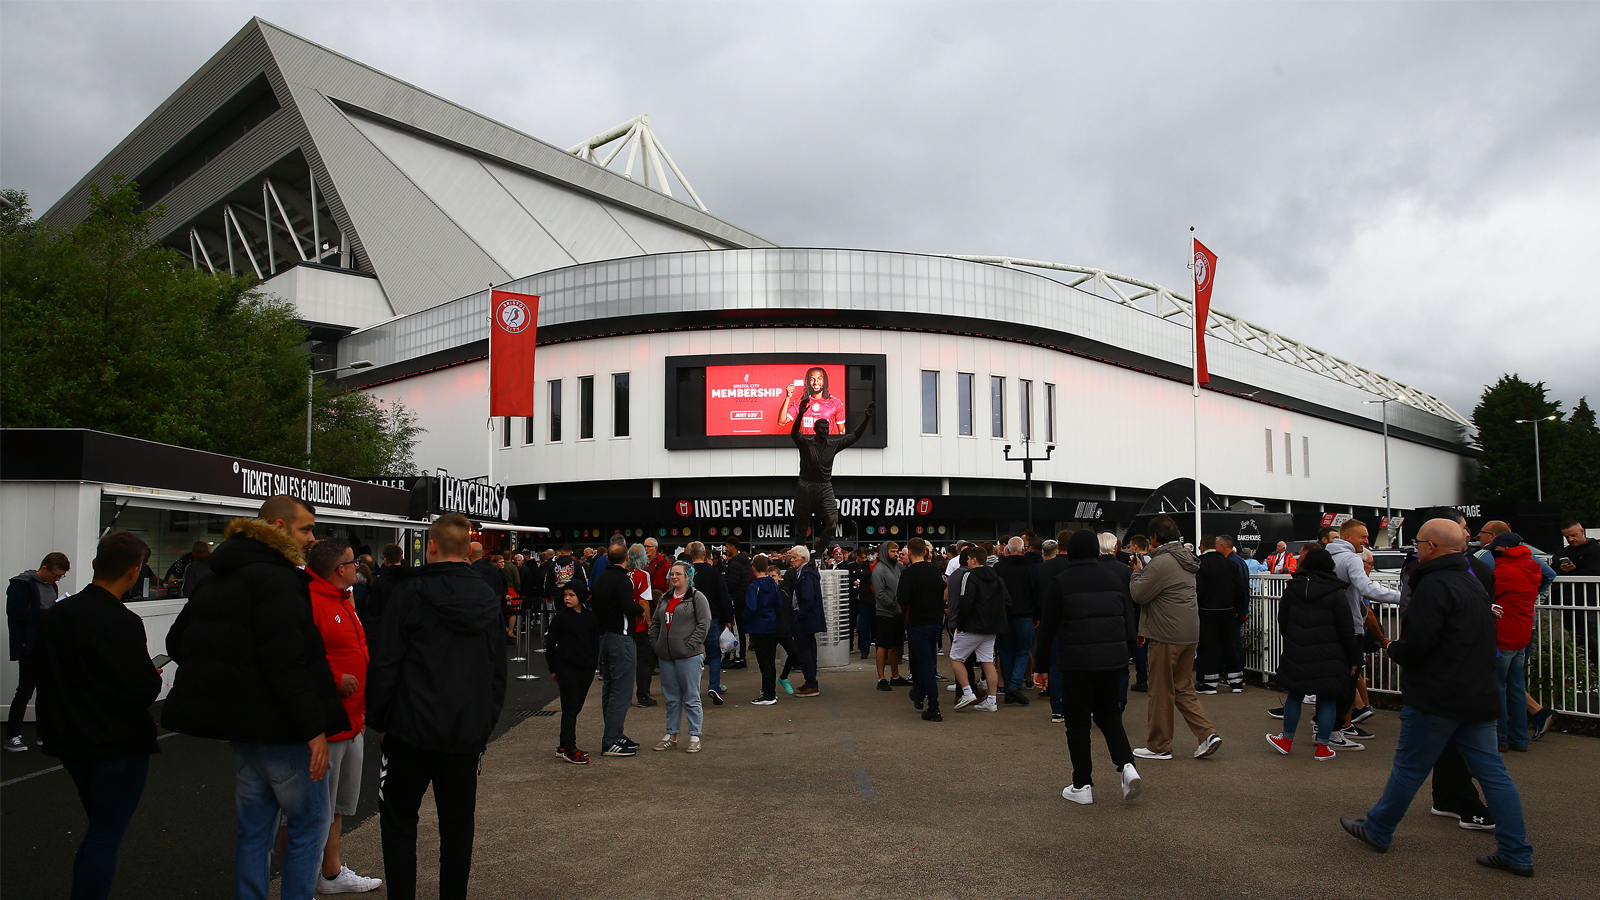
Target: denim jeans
{"x": 109, "y": 790}
{"x": 713, "y": 656}
{"x": 1510, "y": 668}
{"x": 1014, "y": 648}
{"x": 680, "y": 684}
{"x": 273, "y": 778}
{"x": 924, "y": 643}
{"x": 1422, "y": 738}
{"x": 1327, "y": 715}
{"x": 618, "y": 659}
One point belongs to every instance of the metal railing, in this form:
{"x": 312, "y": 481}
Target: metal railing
{"x": 1562, "y": 669}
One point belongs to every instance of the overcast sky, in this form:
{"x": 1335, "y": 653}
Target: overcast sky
{"x": 1414, "y": 188}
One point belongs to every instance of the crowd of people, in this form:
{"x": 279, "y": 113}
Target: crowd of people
{"x": 282, "y": 657}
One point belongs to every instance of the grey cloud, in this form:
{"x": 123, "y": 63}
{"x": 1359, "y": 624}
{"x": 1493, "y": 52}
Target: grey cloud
{"x": 1291, "y": 134}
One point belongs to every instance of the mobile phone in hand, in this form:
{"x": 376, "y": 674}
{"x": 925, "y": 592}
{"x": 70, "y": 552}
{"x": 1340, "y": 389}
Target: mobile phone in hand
{"x": 160, "y": 660}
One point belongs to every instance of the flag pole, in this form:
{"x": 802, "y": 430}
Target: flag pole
{"x": 1194, "y": 384}
{"x": 488, "y": 390}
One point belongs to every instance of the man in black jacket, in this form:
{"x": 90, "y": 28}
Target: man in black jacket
{"x": 862, "y": 608}
{"x": 436, "y": 682}
{"x": 1449, "y": 692}
{"x": 617, "y": 608}
{"x": 96, "y": 685}
{"x": 1223, "y": 594}
{"x": 252, "y": 670}
{"x": 738, "y": 576}
{"x": 980, "y": 617}
{"x": 921, "y": 596}
{"x": 1021, "y": 576}
{"x": 28, "y": 595}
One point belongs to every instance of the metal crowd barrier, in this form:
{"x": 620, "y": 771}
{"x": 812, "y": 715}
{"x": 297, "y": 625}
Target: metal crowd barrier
{"x": 1563, "y": 667}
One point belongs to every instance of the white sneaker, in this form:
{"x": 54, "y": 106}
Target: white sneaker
{"x": 967, "y": 699}
{"x": 1309, "y": 700}
{"x": 952, "y": 687}
{"x": 1130, "y": 782}
{"x": 1208, "y": 746}
{"x": 347, "y": 882}
{"x": 988, "y": 704}
{"x": 1146, "y": 753}
{"x": 1083, "y": 795}
{"x": 1340, "y": 742}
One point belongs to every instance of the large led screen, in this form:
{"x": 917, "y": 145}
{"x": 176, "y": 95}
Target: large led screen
{"x": 755, "y": 399}
{"x": 766, "y": 399}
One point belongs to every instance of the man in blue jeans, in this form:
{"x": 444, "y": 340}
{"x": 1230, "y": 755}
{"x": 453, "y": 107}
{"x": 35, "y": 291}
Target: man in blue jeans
{"x": 1021, "y": 577}
{"x": 1448, "y": 688}
{"x": 252, "y": 670}
{"x": 96, "y": 685}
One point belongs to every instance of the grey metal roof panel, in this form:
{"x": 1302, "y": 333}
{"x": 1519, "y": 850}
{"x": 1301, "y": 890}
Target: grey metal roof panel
{"x": 578, "y": 222}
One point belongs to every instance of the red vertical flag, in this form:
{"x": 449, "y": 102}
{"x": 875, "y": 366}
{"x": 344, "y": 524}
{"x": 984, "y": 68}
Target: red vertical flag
{"x": 514, "y": 320}
{"x": 1205, "y": 270}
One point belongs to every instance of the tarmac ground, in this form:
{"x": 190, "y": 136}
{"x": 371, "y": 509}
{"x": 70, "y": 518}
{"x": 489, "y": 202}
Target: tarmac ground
{"x": 851, "y": 794}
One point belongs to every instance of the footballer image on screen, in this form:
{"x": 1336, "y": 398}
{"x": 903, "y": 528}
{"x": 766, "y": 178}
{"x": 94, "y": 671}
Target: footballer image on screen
{"x": 766, "y": 399}
{"x": 810, "y": 399}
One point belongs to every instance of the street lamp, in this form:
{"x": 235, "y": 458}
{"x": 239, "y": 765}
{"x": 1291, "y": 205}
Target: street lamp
{"x": 1028, "y": 459}
{"x": 310, "y": 388}
{"x": 1538, "y": 472}
{"x": 1388, "y": 505}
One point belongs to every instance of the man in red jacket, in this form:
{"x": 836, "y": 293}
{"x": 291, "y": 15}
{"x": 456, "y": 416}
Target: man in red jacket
{"x": 1516, "y": 590}
{"x": 332, "y": 566}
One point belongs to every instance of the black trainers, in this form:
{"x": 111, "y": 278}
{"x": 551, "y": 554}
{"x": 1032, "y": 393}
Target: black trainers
{"x": 1357, "y": 733}
{"x": 1236, "y": 686}
{"x": 1057, "y": 719}
{"x": 716, "y": 697}
{"x": 1472, "y": 820}
{"x": 1362, "y": 714}
{"x": 1276, "y": 712}
{"x": 900, "y": 681}
{"x": 883, "y": 685}
{"x": 1496, "y": 861}
{"x": 932, "y": 715}
{"x": 1142, "y": 687}
{"x": 647, "y": 701}
{"x": 1017, "y": 697}
{"x": 620, "y": 748}
{"x": 1205, "y": 689}
{"x": 1357, "y": 829}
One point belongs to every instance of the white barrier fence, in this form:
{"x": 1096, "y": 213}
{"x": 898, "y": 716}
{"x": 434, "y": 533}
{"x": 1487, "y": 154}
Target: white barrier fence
{"x": 1562, "y": 669}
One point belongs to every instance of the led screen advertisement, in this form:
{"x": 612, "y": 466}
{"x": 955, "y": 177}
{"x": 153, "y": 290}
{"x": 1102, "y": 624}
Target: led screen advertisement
{"x": 766, "y": 398}
{"x": 754, "y": 399}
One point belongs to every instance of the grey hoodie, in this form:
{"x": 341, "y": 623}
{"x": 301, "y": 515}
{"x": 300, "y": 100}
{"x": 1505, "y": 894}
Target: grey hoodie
{"x": 1164, "y": 591}
{"x": 886, "y": 584}
{"x": 1348, "y": 568}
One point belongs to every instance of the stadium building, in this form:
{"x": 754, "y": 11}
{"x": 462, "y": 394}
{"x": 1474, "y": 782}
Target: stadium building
{"x": 673, "y": 344}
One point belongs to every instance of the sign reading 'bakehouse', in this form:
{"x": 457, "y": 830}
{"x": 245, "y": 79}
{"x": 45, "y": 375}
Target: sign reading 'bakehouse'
{"x": 773, "y": 508}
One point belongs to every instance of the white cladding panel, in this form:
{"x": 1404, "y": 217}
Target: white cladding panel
{"x": 331, "y": 296}
{"x": 1114, "y": 426}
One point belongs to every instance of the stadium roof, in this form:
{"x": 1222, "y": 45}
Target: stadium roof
{"x": 279, "y": 150}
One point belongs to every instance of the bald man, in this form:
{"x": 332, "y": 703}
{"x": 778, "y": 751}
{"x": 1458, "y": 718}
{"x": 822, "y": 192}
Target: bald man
{"x": 491, "y": 575}
{"x": 1449, "y": 692}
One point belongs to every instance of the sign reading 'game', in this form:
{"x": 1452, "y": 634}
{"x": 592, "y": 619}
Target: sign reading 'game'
{"x": 766, "y": 399}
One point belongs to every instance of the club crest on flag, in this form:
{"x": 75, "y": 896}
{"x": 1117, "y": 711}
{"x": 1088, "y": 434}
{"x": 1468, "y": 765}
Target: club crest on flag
{"x": 513, "y": 315}
{"x": 1202, "y": 271}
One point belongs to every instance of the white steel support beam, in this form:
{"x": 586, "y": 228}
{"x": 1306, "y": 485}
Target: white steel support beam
{"x": 287, "y": 225}
{"x": 244, "y": 241}
{"x": 642, "y": 145}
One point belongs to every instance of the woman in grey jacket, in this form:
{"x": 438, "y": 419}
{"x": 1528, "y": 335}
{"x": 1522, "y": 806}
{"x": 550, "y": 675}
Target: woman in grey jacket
{"x": 679, "y": 626}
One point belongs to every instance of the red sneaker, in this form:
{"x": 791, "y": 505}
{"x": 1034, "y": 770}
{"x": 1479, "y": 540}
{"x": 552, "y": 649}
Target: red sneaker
{"x": 574, "y": 756}
{"x": 1324, "y": 753}
{"x": 1281, "y": 743}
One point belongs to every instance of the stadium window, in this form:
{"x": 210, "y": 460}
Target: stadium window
{"x": 619, "y": 404}
{"x": 527, "y": 430}
{"x": 1269, "y": 449}
{"x": 1288, "y": 453}
{"x": 964, "y": 390}
{"x": 1026, "y": 398}
{"x": 555, "y": 411}
{"x": 930, "y": 402}
{"x": 997, "y": 405}
{"x": 585, "y": 407}
{"x": 1049, "y": 413}
{"x": 505, "y": 431}
{"x": 1305, "y": 457}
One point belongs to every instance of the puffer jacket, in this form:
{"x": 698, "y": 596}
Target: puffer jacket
{"x": 761, "y": 601}
{"x": 437, "y": 679}
{"x": 1164, "y": 592}
{"x": 1089, "y": 608}
{"x": 984, "y": 604}
{"x": 680, "y": 633}
{"x": 1446, "y": 648}
{"x": 251, "y": 664}
{"x": 1516, "y": 589}
{"x": 1319, "y": 640}
{"x": 346, "y": 642}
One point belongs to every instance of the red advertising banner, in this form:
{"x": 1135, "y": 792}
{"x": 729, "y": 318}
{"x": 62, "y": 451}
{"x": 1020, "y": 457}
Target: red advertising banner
{"x": 766, "y": 399}
{"x": 514, "y": 320}
{"x": 1205, "y": 271}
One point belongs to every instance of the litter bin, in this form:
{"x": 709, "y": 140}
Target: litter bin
{"x": 833, "y": 650}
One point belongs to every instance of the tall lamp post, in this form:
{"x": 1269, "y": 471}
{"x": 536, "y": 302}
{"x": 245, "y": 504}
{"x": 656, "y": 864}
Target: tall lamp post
{"x": 1388, "y": 504}
{"x": 1028, "y": 459}
{"x": 1538, "y": 471}
{"x": 310, "y": 394}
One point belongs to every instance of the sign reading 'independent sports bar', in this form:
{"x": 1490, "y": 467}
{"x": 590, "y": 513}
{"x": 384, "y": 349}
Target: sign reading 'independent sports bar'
{"x": 777, "y": 508}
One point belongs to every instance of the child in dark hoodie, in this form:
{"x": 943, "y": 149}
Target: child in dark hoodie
{"x": 572, "y": 649}
{"x": 763, "y": 604}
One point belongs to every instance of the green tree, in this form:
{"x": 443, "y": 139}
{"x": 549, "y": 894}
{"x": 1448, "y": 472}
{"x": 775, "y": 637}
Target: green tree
{"x": 105, "y": 328}
{"x": 1572, "y": 472}
{"x": 1505, "y": 462}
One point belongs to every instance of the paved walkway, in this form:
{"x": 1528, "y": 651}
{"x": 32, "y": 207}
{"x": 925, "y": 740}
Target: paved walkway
{"x": 852, "y": 795}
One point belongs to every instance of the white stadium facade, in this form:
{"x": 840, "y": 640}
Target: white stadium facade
{"x": 668, "y": 338}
